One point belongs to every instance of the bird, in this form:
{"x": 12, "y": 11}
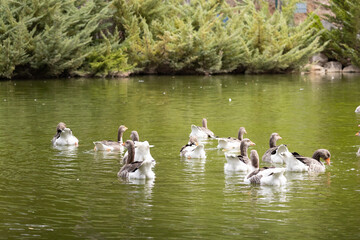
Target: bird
{"x": 266, "y": 176}
{"x": 276, "y": 156}
{"x": 108, "y": 145}
{"x": 64, "y": 136}
{"x": 358, "y": 153}
{"x": 135, "y": 169}
{"x": 142, "y": 149}
{"x": 202, "y": 132}
{"x": 193, "y": 149}
{"x": 230, "y": 142}
{"x": 297, "y": 163}
{"x": 357, "y": 110}
{"x": 239, "y": 162}
{"x": 267, "y": 155}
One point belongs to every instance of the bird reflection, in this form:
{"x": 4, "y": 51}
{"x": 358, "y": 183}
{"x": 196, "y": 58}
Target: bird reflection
{"x": 67, "y": 151}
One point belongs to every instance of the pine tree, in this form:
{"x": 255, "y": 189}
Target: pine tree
{"x": 344, "y": 45}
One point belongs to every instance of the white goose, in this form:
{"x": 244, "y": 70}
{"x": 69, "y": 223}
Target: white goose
{"x": 193, "y": 149}
{"x": 230, "y": 142}
{"x": 266, "y": 175}
{"x": 277, "y": 155}
{"x": 297, "y": 163}
{"x": 240, "y": 162}
{"x": 267, "y": 155}
{"x": 64, "y": 136}
{"x": 135, "y": 169}
{"x": 142, "y": 149}
{"x": 108, "y": 145}
{"x": 201, "y": 132}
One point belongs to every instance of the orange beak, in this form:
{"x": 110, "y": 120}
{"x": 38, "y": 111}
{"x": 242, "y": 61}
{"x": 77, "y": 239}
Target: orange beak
{"x": 357, "y": 134}
{"x": 123, "y": 144}
{"x": 327, "y": 161}
{"x": 252, "y": 144}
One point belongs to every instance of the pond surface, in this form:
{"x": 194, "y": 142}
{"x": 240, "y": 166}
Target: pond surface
{"x": 74, "y": 193}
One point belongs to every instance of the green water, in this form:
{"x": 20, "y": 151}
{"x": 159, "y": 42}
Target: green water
{"x": 74, "y": 193}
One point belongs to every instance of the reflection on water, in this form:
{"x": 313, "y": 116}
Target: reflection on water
{"x": 74, "y": 192}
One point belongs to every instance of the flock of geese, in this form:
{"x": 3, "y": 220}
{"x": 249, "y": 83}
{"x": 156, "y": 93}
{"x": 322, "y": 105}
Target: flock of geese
{"x": 138, "y": 162}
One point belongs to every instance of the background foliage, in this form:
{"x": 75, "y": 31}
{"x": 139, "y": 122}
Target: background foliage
{"x": 344, "y": 44}
{"x": 120, "y": 37}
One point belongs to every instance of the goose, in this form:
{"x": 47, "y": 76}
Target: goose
{"x": 267, "y": 176}
{"x": 142, "y": 149}
{"x": 230, "y": 142}
{"x": 135, "y": 169}
{"x": 357, "y": 110}
{"x": 267, "y": 155}
{"x": 297, "y": 163}
{"x": 64, "y": 136}
{"x": 277, "y": 155}
{"x": 201, "y": 132}
{"x": 108, "y": 145}
{"x": 239, "y": 162}
{"x": 193, "y": 149}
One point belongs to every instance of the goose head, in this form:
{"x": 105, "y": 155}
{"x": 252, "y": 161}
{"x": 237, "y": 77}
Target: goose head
{"x": 254, "y": 157}
{"x": 244, "y": 145}
{"x": 121, "y": 131}
{"x": 241, "y": 133}
{"x": 322, "y": 153}
{"x": 273, "y": 138}
{"x": 134, "y": 136}
{"x": 358, "y": 133}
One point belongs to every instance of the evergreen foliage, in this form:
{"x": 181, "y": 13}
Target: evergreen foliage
{"x": 344, "y": 45}
{"x": 119, "y": 37}
{"x": 45, "y": 37}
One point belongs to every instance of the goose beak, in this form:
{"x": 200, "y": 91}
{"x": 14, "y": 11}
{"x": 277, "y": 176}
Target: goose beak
{"x": 357, "y": 134}
{"x": 252, "y": 144}
{"x": 327, "y": 161}
{"x": 123, "y": 144}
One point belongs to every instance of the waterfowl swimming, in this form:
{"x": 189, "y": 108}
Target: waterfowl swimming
{"x": 297, "y": 163}
{"x": 201, "y": 132}
{"x": 265, "y": 175}
{"x": 193, "y": 149}
{"x": 135, "y": 169}
{"x": 108, "y": 145}
{"x": 64, "y": 136}
{"x": 277, "y": 155}
{"x": 267, "y": 155}
{"x": 142, "y": 149}
{"x": 230, "y": 142}
{"x": 239, "y": 162}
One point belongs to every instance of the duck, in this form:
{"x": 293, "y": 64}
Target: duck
{"x": 273, "y": 139}
{"x": 135, "y": 169}
{"x": 64, "y": 136}
{"x": 266, "y": 175}
{"x": 230, "y": 142}
{"x": 240, "y": 162}
{"x": 201, "y": 132}
{"x": 297, "y": 163}
{"x": 112, "y": 146}
{"x": 193, "y": 149}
